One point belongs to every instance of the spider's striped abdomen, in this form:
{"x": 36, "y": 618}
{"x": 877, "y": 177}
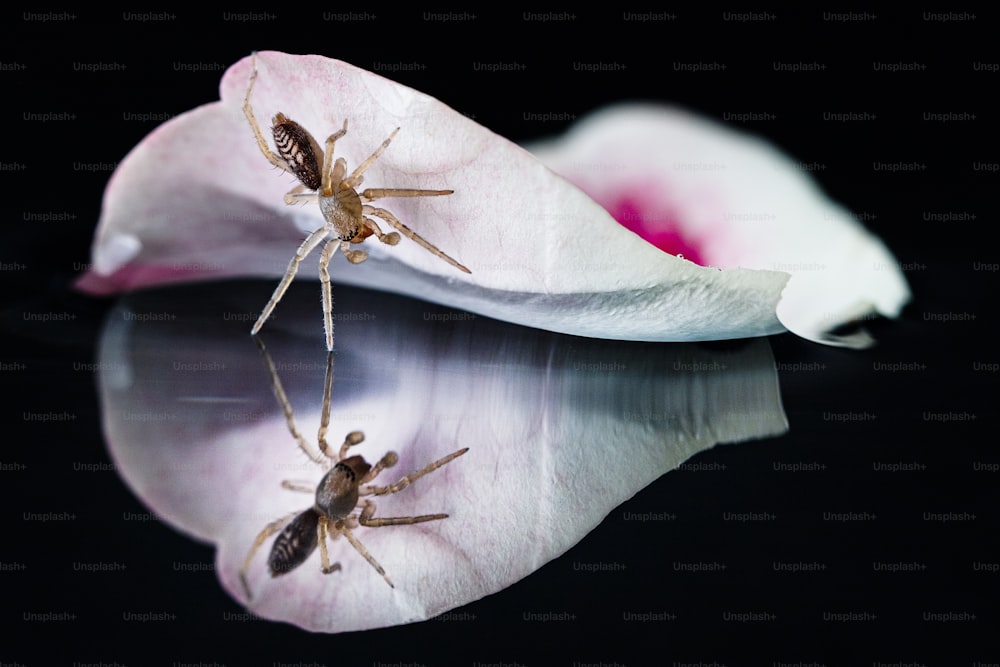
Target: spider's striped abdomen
{"x": 299, "y": 150}
{"x": 294, "y": 544}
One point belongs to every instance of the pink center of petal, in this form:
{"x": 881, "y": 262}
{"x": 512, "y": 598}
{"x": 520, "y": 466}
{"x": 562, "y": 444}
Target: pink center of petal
{"x": 661, "y": 228}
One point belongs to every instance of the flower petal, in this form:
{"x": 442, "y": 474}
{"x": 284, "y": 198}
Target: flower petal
{"x": 727, "y": 199}
{"x": 194, "y": 429}
{"x": 203, "y": 202}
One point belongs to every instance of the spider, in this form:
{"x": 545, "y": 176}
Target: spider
{"x": 347, "y": 213}
{"x": 341, "y": 498}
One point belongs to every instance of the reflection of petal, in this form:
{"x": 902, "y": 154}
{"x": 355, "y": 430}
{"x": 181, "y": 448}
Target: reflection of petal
{"x": 560, "y": 429}
{"x": 729, "y": 200}
{"x": 196, "y": 199}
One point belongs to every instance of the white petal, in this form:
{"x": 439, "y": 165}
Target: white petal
{"x": 205, "y": 203}
{"x": 116, "y": 251}
{"x": 741, "y": 203}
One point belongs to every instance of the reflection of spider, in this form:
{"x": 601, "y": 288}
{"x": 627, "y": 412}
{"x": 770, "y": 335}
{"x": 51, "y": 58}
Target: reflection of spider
{"x": 341, "y": 491}
{"x": 346, "y": 211}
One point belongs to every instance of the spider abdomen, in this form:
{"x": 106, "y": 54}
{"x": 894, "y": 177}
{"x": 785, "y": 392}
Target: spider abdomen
{"x": 299, "y": 150}
{"x": 294, "y": 544}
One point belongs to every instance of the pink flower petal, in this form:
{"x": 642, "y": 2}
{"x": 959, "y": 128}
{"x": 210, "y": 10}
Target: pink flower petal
{"x": 196, "y": 199}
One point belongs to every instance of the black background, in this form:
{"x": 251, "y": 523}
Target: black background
{"x": 947, "y": 264}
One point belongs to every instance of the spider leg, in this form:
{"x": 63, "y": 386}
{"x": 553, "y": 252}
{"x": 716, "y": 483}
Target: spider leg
{"x": 406, "y": 480}
{"x": 272, "y": 157}
{"x": 388, "y": 239}
{"x": 269, "y": 529}
{"x": 324, "y": 280}
{"x": 286, "y": 407}
{"x": 353, "y": 256}
{"x": 354, "y": 180}
{"x": 324, "y": 422}
{"x": 412, "y": 235}
{"x": 328, "y": 175}
{"x": 324, "y": 554}
{"x": 369, "y": 510}
{"x": 353, "y": 438}
{"x": 371, "y": 194}
{"x": 342, "y": 528}
{"x": 297, "y": 196}
{"x": 339, "y": 169}
{"x": 302, "y": 487}
{"x": 389, "y": 460}
{"x": 313, "y": 240}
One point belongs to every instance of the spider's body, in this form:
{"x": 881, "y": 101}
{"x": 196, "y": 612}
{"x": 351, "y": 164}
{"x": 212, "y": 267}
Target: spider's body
{"x": 342, "y": 499}
{"x": 347, "y": 213}
{"x": 341, "y": 206}
{"x": 336, "y": 497}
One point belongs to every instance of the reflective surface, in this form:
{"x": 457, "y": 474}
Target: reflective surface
{"x": 561, "y": 430}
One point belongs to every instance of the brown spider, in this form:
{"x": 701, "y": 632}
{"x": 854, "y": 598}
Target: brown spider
{"x": 341, "y": 491}
{"x": 346, "y": 211}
